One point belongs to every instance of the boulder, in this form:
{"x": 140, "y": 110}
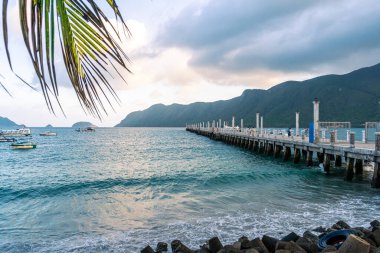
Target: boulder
{"x": 329, "y": 249}
{"x": 319, "y": 229}
{"x": 229, "y": 249}
{"x": 354, "y": 244}
{"x": 308, "y": 245}
{"x": 343, "y": 225}
{"x": 245, "y": 243}
{"x": 214, "y": 245}
{"x": 250, "y": 251}
{"x": 292, "y": 246}
{"x": 237, "y": 245}
{"x": 147, "y": 249}
{"x": 375, "y": 223}
{"x": 312, "y": 237}
{"x": 376, "y": 237}
{"x": 270, "y": 243}
{"x": 290, "y": 237}
{"x": 178, "y": 247}
{"x": 283, "y": 251}
{"x": 259, "y": 245}
{"x": 161, "y": 247}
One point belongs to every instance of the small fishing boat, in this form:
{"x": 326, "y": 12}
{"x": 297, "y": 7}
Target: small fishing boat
{"x": 87, "y": 129}
{"x": 7, "y": 139}
{"x": 48, "y": 133}
{"x": 23, "y": 145}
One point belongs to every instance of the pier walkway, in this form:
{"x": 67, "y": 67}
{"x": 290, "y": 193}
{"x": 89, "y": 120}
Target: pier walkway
{"x": 298, "y": 149}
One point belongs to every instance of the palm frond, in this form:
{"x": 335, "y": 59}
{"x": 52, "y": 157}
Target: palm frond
{"x": 89, "y": 43}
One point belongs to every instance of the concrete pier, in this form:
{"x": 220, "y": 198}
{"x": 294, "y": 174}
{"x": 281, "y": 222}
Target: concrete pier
{"x": 275, "y": 143}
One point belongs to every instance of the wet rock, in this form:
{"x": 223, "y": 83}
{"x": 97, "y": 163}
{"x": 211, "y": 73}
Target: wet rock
{"x": 203, "y": 249}
{"x": 270, "y": 243}
{"x": 365, "y": 231}
{"x": 343, "y": 225}
{"x": 283, "y": 251}
{"x": 291, "y": 237}
{"x": 370, "y": 241}
{"x": 307, "y": 244}
{"x": 375, "y": 228}
{"x": 259, "y": 245}
{"x": 329, "y": 249}
{"x": 250, "y": 251}
{"x": 161, "y": 247}
{"x": 376, "y": 237}
{"x": 178, "y": 247}
{"x": 237, "y": 245}
{"x": 375, "y": 223}
{"x": 147, "y": 249}
{"x": 245, "y": 243}
{"x": 309, "y": 235}
{"x": 319, "y": 229}
{"x": 229, "y": 249}
{"x": 292, "y": 246}
{"x": 214, "y": 245}
{"x": 354, "y": 244}
{"x": 336, "y": 227}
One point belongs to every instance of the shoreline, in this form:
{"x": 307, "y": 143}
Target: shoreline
{"x": 339, "y": 238}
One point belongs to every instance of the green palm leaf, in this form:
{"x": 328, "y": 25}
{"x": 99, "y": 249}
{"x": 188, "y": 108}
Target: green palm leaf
{"x": 89, "y": 43}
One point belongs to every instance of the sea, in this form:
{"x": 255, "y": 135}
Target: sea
{"x": 120, "y": 189}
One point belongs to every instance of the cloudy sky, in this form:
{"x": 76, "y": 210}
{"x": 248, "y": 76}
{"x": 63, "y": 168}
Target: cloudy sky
{"x": 206, "y": 50}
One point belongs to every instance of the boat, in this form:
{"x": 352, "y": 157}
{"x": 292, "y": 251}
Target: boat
{"x": 87, "y": 129}
{"x": 15, "y": 133}
{"x": 48, "y": 133}
{"x": 23, "y": 145}
{"x": 7, "y": 139}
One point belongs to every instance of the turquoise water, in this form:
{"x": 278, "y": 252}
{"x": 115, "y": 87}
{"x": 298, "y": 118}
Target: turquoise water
{"x": 117, "y": 190}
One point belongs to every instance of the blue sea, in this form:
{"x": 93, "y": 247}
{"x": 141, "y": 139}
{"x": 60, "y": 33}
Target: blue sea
{"x": 119, "y": 189}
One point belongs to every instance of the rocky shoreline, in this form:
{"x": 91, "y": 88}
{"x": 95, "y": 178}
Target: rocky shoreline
{"x": 339, "y": 238}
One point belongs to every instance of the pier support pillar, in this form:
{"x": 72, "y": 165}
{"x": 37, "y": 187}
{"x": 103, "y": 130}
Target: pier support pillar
{"x": 287, "y": 154}
{"x": 320, "y": 157}
{"x": 277, "y": 151}
{"x": 297, "y": 156}
{"x": 327, "y": 163}
{"x": 304, "y": 154}
{"x": 349, "y": 170}
{"x": 270, "y": 149}
{"x": 255, "y": 145}
{"x": 376, "y": 172}
{"x": 261, "y": 147}
{"x": 309, "y": 158}
{"x": 338, "y": 161}
{"x": 358, "y": 166}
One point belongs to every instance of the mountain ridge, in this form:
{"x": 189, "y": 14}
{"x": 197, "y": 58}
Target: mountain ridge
{"x": 353, "y": 97}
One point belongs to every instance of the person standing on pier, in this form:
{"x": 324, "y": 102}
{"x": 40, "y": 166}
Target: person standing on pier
{"x": 289, "y": 133}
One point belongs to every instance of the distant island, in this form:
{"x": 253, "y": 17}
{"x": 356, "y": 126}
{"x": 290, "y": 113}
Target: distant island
{"x": 8, "y": 124}
{"x": 83, "y": 124}
{"x": 353, "y": 97}
{"x": 49, "y": 126}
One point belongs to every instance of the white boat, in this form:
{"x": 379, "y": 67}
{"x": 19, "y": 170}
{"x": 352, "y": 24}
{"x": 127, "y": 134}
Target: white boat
{"x": 16, "y": 133}
{"x": 48, "y": 133}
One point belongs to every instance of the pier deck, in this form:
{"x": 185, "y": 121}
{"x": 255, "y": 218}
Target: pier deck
{"x": 296, "y": 147}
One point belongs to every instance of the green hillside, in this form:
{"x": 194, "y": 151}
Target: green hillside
{"x": 353, "y": 97}
{"x": 6, "y": 123}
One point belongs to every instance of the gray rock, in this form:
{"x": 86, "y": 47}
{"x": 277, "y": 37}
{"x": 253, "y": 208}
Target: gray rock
{"x": 309, "y": 235}
{"x": 178, "y": 247}
{"x": 259, "y": 245}
{"x": 375, "y": 223}
{"x": 270, "y": 243}
{"x": 237, "y": 245}
{"x": 376, "y": 237}
{"x": 245, "y": 243}
{"x": 214, "y": 245}
{"x": 343, "y": 224}
{"x": 161, "y": 247}
{"x": 330, "y": 249}
{"x": 290, "y": 237}
{"x": 319, "y": 229}
{"x": 307, "y": 244}
{"x": 229, "y": 249}
{"x": 147, "y": 249}
{"x": 354, "y": 243}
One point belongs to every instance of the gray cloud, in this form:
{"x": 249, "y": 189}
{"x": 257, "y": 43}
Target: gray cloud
{"x": 280, "y": 35}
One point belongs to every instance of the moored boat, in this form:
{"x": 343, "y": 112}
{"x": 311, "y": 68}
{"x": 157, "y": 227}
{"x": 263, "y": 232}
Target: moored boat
{"x": 23, "y": 145}
{"x": 48, "y": 133}
{"x": 87, "y": 129}
{"x": 16, "y": 133}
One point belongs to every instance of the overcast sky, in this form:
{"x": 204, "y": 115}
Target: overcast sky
{"x": 206, "y": 50}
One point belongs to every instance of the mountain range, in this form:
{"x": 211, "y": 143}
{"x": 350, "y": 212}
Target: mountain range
{"x": 8, "y": 124}
{"x": 353, "y": 97}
